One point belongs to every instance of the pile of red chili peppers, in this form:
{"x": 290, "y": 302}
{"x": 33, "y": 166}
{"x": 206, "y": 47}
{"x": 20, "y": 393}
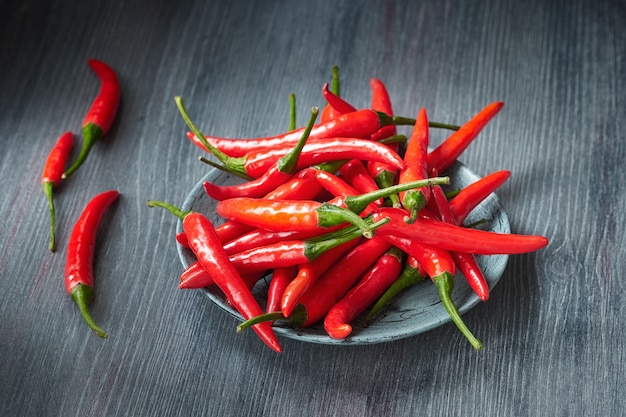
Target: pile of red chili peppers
{"x": 340, "y": 217}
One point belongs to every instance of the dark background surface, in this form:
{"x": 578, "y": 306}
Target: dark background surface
{"x": 553, "y": 329}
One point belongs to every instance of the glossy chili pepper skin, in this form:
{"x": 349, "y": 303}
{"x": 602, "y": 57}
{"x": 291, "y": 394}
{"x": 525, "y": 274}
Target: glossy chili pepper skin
{"x": 208, "y": 249}
{"x": 455, "y": 238}
{"x": 195, "y": 276}
{"x": 281, "y": 277}
{"x": 355, "y": 174}
{"x": 416, "y": 166}
{"x": 339, "y": 105}
{"x": 79, "y": 278}
{"x": 445, "y": 154}
{"x": 363, "y": 294}
{"x": 102, "y": 112}
{"x": 51, "y": 176}
{"x": 469, "y": 197}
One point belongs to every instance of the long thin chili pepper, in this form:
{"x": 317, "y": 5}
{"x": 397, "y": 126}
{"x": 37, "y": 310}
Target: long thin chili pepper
{"x": 294, "y": 252}
{"x": 470, "y": 196}
{"x": 281, "y": 277}
{"x": 449, "y": 150}
{"x": 337, "y": 103}
{"x": 101, "y": 115}
{"x": 51, "y": 176}
{"x": 359, "y": 124}
{"x": 455, "y": 238}
{"x": 439, "y": 265}
{"x": 465, "y": 261}
{"x": 328, "y": 112}
{"x": 207, "y": 247}
{"x": 276, "y": 175}
{"x": 363, "y": 294}
{"x": 79, "y": 278}
{"x": 195, "y": 276}
{"x": 411, "y": 274}
{"x": 333, "y": 285}
{"x": 355, "y": 174}
{"x": 416, "y": 166}
{"x": 309, "y": 272}
{"x": 261, "y": 237}
{"x": 384, "y": 174}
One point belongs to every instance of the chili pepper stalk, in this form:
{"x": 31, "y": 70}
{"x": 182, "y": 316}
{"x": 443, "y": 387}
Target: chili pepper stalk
{"x": 101, "y": 115}
{"x": 51, "y": 176}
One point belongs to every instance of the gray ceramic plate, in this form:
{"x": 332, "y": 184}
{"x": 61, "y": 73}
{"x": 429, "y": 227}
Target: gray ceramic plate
{"x": 417, "y": 310}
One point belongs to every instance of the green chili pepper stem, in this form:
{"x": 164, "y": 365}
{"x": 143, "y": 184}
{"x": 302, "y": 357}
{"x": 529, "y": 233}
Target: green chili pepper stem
{"x": 48, "y": 187}
{"x": 292, "y": 112}
{"x": 289, "y": 162}
{"x": 224, "y": 168}
{"x": 298, "y": 316}
{"x": 169, "y": 207}
{"x": 386, "y": 179}
{"x": 358, "y": 203}
{"x": 394, "y": 139}
{"x": 236, "y": 164}
{"x": 414, "y": 201}
{"x": 334, "y": 83}
{"x": 408, "y": 277}
{"x": 91, "y": 133}
{"x": 82, "y": 295}
{"x": 330, "y": 215}
{"x": 445, "y": 284}
{"x": 387, "y": 120}
{"x": 315, "y": 248}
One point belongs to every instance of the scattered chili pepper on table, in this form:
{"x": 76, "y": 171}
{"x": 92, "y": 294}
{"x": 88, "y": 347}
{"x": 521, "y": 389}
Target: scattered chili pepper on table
{"x": 101, "y": 114}
{"x": 51, "y": 176}
{"x": 79, "y": 278}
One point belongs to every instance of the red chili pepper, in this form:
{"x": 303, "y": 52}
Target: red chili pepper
{"x": 464, "y": 261}
{"x": 51, "y": 176}
{"x": 281, "y": 277}
{"x": 309, "y": 272}
{"x": 276, "y": 175}
{"x": 330, "y": 182}
{"x": 101, "y": 115}
{"x": 469, "y": 197}
{"x": 79, "y": 279}
{"x": 327, "y": 290}
{"x": 455, "y": 238}
{"x": 445, "y": 154}
{"x": 411, "y": 274}
{"x": 293, "y": 252}
{"x": 440, "y": 267}
{"x": 363, "y": 294}
{"x": 337, "y": 103}
{"x": 208, "y": 249}
{"x": 384, "y": 174}
{"x": 262, "y": 237}
{"x": 415, "y": 159}
{"x": 329, "y": 113}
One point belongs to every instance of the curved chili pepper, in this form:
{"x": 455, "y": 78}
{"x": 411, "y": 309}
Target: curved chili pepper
{"x": 51, "y": 176}
{"x": 281, "y": 277}
{"x": 359, "y": 124}
{"x": 309, "y": 272}
{"x": 262, "y": 237}
{"x": 276, "y": 175}
{"x": 449, "y": 150}
{"x": 469, "y": 197}
{"x": 329, "y": 288}
{"x": 439, "y": 265}
{"x": 330, "y": 182}
{"x": 207, "y": 247}
{"x": 328, "y": 112}
{"x": 416, "y": 166}
{"x": 411, "y": 274}
{"x": 101, "y": 115}
{"x": 79, "y": 279}
{"x": 293, "y": 252}
{"x": 337, "y": 103}
{"x": 384, "y": 272}
{"x": 465, "y": 261}
{"x": 455, "y": 238}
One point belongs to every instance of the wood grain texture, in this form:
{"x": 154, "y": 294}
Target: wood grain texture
{"x": 553, "y": 329}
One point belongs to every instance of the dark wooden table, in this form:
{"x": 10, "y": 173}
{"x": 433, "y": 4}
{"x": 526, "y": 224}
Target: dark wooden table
{"x": 553, "y": 328}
